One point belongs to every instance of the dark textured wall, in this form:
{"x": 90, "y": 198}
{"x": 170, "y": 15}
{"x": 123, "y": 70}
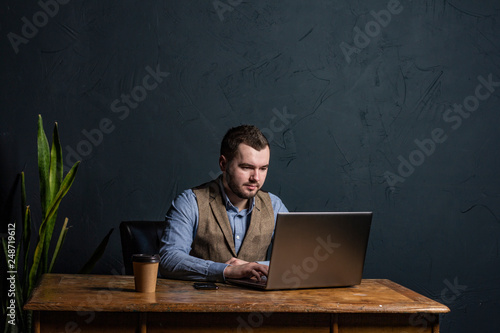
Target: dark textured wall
{"x": 369, "y": 105}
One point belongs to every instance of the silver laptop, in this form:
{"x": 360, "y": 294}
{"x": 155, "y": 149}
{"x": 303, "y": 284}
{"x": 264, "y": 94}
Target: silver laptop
{"x": 316, "y": 250}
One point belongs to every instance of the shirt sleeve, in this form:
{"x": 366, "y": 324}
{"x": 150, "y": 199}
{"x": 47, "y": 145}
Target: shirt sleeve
{"x": 175, "y": 261}
{"x": 278, "y": 207}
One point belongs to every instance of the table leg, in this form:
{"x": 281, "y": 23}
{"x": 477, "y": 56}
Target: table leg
{"x": 143, "y": 322}
{"x": 335, "y": 323}
{"x": 36, "y": 321}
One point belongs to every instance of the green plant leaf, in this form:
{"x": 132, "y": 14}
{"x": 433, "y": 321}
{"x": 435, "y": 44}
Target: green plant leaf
{"x": 47, "y": 238}
{"x": 60, "y": 241}
{"x": 20, "y": 301}
{"x": 55, "y": 178}
{"x": 99, "y": 251}
{"x": 56, "y": 165}
{"x": 23, "y": 195}
{"x": 46, "y": 229}
{"x": 34, "y": 256}
{"x": 26, "y": 216}
{"x": 26, "y": 233}
{"x": 26, "y": 243}
{"x": 43, "y": 166}
{"x": 5, "y": 251}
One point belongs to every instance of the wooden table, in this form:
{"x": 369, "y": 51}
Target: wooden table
{"x": 97, "y": 303}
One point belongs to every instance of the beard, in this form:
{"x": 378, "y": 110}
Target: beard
{"x": 231, "y": 183}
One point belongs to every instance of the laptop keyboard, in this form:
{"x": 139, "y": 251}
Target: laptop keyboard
{"x": 263, "y": 280}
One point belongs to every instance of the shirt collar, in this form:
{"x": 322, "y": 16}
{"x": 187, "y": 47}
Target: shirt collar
{"x": 228, "y": 202}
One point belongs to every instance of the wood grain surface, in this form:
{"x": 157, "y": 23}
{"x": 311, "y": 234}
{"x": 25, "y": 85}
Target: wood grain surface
{"x": 107, "y": 293}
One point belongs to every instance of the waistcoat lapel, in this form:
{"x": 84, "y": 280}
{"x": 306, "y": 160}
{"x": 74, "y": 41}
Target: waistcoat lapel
{"x": 214, "y": 238}
{"x": 261, "y": 227}
{"x": 219, "y": 209}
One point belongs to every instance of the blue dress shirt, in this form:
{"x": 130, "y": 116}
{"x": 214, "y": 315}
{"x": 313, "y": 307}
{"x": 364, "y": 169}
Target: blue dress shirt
{"x": 182, "y": 224}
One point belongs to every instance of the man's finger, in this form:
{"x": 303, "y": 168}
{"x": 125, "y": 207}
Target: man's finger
{"x": 230, "y": 261}
{"x": 256, "y": 274}
{"x": 263, "y": 269}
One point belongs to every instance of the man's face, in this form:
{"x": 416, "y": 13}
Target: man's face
{"x": 246, "y": 173}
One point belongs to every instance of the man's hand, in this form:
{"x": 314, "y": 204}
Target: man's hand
{"x": 247, "y": 270}
{"x": 235, "y": 261}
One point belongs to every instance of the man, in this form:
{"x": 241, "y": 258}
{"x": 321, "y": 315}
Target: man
{"x": 224, "y": 228}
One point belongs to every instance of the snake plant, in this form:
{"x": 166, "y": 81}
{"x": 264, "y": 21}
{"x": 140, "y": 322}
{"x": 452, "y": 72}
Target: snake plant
{"x": 32, "y": 259}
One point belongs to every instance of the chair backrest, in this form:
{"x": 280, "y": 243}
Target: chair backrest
{"x": 139, "y": 237}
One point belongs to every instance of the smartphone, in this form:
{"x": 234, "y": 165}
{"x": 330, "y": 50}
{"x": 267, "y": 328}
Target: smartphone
{"x": 205, "y": 286}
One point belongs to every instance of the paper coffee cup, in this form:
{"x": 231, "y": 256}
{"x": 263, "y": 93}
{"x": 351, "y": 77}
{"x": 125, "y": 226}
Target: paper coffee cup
{"x": 145, "y": 272}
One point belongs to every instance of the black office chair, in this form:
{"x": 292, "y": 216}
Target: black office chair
{"x": 139, "y": 237}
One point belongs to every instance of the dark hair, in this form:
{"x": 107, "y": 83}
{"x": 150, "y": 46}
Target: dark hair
{"x": 247, "y": 134}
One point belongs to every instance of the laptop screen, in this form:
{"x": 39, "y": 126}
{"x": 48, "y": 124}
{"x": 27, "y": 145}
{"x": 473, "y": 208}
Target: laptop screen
{"x": 318, "y": 249}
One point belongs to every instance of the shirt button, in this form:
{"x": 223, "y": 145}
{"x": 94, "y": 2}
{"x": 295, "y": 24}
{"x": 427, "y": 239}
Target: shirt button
{"x": 237, "y": 237}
